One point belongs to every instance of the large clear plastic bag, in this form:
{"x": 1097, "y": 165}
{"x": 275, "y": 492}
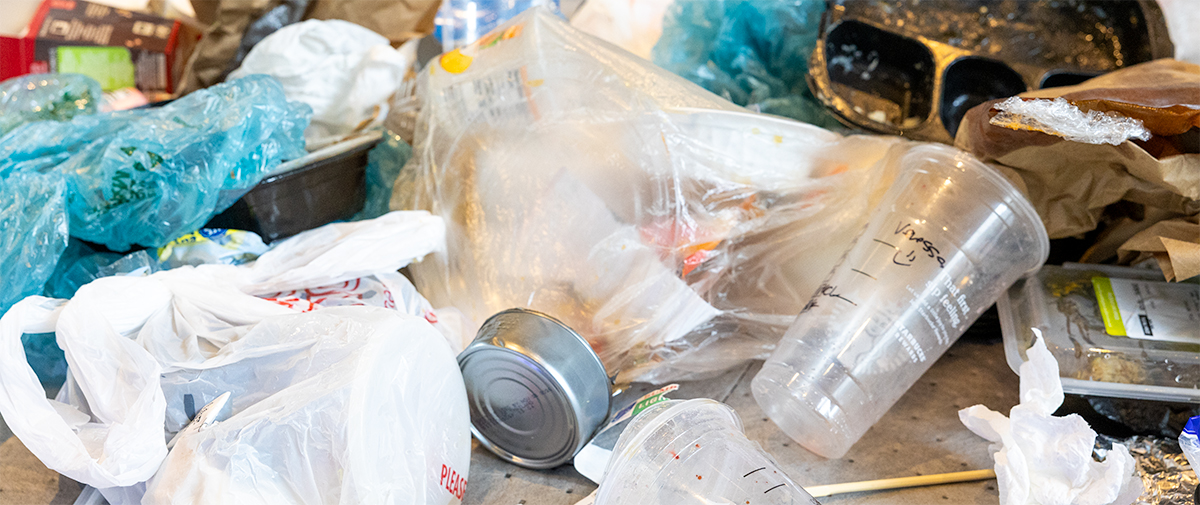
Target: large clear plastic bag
{"x": 752, "y": 52}
{"x": 676, "y": 232}
{"x": 46, "y": 97}
{"x": 146, "y": 177}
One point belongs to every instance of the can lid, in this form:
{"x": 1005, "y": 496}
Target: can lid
{"x": 536, "y": 389}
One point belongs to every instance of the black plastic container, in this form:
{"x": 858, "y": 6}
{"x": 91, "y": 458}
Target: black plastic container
{"x": 325, "y": 186}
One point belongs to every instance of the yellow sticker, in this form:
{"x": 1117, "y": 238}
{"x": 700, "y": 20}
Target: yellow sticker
{"x": 455, "y": 62}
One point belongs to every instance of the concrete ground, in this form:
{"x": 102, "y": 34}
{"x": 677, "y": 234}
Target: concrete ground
{"x": 920, "y": 435}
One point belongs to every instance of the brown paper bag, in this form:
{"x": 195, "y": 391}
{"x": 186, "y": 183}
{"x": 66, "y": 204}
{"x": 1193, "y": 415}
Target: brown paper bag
{"x": 1071, "y": 183}
{"x": 398, "y": 20}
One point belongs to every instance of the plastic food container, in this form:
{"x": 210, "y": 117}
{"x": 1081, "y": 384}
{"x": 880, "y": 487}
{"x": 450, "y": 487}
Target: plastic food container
{"x": 324, "y": 186}
{"x": 693, "y": 452}
{"x": 1062, "y": 303}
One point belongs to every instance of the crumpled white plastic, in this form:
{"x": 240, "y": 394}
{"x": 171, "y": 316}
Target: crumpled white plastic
{"x": 126, "y": 338}
{"x": 344, "y": 71}
{"x": 1047, "y": 460}
{"x": 342, "y": 405}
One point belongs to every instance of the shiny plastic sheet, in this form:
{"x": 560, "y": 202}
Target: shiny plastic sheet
{"x": 677, "y": 233}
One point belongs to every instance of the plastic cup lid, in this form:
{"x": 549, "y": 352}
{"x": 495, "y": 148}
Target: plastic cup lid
{"x": 536, "y": 389}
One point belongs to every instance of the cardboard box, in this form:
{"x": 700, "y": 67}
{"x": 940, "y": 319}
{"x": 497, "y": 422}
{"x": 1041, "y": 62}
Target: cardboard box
{"x": 158, "y": 48}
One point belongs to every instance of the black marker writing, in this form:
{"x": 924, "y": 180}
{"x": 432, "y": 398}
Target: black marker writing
{"x": 927, "y": 246}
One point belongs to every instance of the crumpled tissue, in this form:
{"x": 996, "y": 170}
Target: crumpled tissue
{"x": 1046, "y": 460}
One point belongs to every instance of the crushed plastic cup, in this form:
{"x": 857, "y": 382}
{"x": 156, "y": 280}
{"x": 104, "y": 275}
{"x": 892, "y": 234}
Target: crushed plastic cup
{"x": 950, "y": 236}
{"x": 693, "y": 452}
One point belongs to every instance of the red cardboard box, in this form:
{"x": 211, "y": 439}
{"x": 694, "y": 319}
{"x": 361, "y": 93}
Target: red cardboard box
{"x": 158, "y": 47}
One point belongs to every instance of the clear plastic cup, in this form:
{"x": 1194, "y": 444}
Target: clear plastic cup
{"x": 950, "y": 236}
{"x": 693, "y": 452}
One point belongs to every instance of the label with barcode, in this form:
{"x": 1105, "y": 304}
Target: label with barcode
{"x": 1168, "y": 311}
{"x": 501, "y": 96}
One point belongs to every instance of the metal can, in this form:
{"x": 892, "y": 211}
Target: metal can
{"x": 536, "y": 389}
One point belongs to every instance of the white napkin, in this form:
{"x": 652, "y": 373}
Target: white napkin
{"x": 1047, "y": 460}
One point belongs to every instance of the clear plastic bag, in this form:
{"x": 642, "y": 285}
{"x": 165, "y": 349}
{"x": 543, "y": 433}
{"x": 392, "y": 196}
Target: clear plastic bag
{"x": 46, "y": 97}
{"x": 148, "y": 176}
{"x": 677, "y": 233}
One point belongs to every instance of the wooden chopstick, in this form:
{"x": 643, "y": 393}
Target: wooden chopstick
{"x": 900, "y": 482}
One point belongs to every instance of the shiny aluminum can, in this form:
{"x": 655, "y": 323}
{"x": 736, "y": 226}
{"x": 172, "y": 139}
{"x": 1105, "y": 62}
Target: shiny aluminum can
{"x": 536, "y": 389}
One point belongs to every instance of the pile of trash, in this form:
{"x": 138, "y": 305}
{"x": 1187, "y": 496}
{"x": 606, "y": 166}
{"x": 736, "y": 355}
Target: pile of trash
{"x": 329, "y": 262}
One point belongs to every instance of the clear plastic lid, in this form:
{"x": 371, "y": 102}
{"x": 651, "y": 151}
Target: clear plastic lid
{"x": 1115, "y": 331}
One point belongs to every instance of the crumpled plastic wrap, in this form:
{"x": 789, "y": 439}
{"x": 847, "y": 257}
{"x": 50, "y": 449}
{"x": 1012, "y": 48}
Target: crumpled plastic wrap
{"x": 751, "y": 52}
{"x": 148, "y": 176}
{"x": 1059, "y": 117}
{"x": 46, "y": 97}
{"x": 1167, "y": 477}
{"x": 677, "y": 233}
{"x": 345, "y": 72}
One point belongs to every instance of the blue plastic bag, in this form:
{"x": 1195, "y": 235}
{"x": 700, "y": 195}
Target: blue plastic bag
{"x": 751, "y": 52}
{"x": 33, "y": 233}
{"x": 384, "y": 163}
{"x": 46, "y": 97}
{"x": 146, "y": 177}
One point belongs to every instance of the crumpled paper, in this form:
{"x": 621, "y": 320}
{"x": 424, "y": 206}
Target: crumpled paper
{"x": 1046, "y": 460}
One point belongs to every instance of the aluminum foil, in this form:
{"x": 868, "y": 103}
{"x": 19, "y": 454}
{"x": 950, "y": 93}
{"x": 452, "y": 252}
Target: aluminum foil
{"x": 1166, "y": 475}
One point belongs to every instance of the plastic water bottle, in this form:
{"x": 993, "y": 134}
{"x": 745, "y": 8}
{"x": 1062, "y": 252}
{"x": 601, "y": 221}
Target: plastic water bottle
{"x": 461, "y": 22}
{"x": 1190, "y": 444}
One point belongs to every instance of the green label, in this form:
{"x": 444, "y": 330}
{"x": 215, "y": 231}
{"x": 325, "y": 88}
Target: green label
{"x": 1108, "y": 306}
{"x": 111, "y": 66}
{"x": 645, "y": 403}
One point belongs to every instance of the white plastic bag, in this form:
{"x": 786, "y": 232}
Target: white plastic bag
{"x": 343, "y": 405}
{"x": 128, "y": 338}
{"x": 344, "y": 71}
